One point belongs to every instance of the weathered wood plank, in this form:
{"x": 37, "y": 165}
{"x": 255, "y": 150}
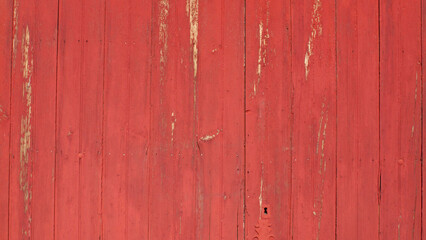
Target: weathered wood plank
{"x": 126, "y": 120}
{"x": 138, "y": 27}
{"x": 400, "y": 119}
{"x": 172, "y": 211}
{"x": 358, "y": 120}
{"x": 218, "y": 50}
{"x": 314, "y": 131}
{"x": 79, "y": 120}
{"x": 269, "y": 99}
{"x": 6, "y": 20}
{"x": 33, "y": 120}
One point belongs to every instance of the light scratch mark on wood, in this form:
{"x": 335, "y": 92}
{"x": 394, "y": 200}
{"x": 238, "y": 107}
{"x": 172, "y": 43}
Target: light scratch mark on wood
{"x": 163, "y": 35}
{"x": 25, "y": 140}
{"x": 316, "y": 31}
{"x": 261, "y": 192}
{"x": 263, "y": 37}
{"x": 210, "y": 137}
{"x": 192, "y": 11}
{"x": 3, "y": 115}
{"x": 15, "y": 31}
{"x": 322, "y": 162}
{"x": 173, "y": 125}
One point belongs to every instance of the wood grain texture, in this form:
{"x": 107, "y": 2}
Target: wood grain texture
{"x": 219, "y": 104}
{"x": 423, "y": 55}
{"x": 139, "y": 28}
{"x": 126, "y": 120}
{"x": 358, "y": 120}
{"x": 173, "y": 143}
{"x": 269, "y": 98}
{"x": 195, "y": 119}
{"x": 33, "y": 120}
{"x": 314, "y": 130}
{"x": 79, "y": 120}
{"x": 400, "y": 120}
{"x": 6, "y": 14}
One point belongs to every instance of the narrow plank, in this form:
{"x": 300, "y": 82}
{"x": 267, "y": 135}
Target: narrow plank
{"x": 139, "y": 27}
{"x": 232, "y": 100}
{"x": 423, "y": 44}
{"x": 116, "y": 121}
{"x": 269, "y": 93}
{"x": 172, "y": 140}
{"x": 33, "y": 120}
{"x": 358, "y": 119}
{"x": 314, "y": 129}
{"x": 400, "y": 119}
{"x": 6, "y": 20}
{"x": 79, "y": 120}
{"x": 219, "y": 118}
{"x": 127, "y": 120}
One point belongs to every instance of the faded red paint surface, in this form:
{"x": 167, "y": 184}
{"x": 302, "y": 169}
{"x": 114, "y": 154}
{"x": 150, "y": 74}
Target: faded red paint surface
{"x": 193, "y": 119}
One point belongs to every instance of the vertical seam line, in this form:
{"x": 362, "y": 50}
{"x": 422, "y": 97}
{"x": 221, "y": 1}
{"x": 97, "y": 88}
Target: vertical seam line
{"x": 245, "y": 120}
{"x": 10, "y": 115}
{"x": 56, "y": 117}
{"x": 103, "y": 123}
{"x": 336, "y": 105}
{"x": 379, "y": 85}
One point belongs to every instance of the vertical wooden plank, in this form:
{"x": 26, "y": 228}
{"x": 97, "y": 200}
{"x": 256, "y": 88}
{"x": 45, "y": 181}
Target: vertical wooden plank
{"x": 33, "y": 120}
{"x": 172, "y": 205}
{"x": 79, "y": 120}
{"x": 127, "y": 120}
{"x": 219, "y": 118}
{"x": 232, "y": 100}
{"x": 116, "y": 120}
{"x": 269, "y": 92}
{"x": 400, "y": 119}
{"x": 423, "y": 55}
{"x": 314, "y": 131}
{"x": 358, "y": 119}
{"x": 6, "y": 20}
{"x": 139, "y": 74}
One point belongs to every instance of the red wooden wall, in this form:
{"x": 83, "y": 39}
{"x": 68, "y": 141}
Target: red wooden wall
{"x": 212, "y": 119}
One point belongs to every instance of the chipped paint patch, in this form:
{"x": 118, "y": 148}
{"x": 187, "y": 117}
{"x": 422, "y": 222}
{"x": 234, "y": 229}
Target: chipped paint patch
{"x": 15, "y": 31}
{"x": 261, "y": 196}
{"x": 322, "y": 133}
{"x": 192, "y": 12}
{"x": 316, "y": 31}
{"x": 210, "y": 137}
{"x": 262, "y": 52}
{"x": 173, "y": 125}
{"x": 163, "y": 35}
{"x": 25, "y": 140}
{"x": 26, "y": 61}
{"x": 3, "y": 115}
{"x": 322, "y": 136}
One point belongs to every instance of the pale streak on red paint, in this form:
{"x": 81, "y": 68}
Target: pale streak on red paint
{"x": 314, "y": 128}
{"x": 269, "y": 97}
{"x": 32, "y": 152}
